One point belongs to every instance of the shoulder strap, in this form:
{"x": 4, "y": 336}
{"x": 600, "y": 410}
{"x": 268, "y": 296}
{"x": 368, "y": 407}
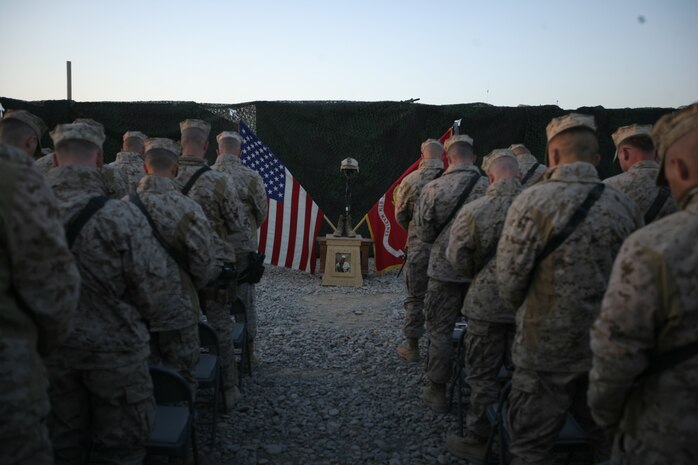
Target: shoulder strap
{"x": 464, "y": 195}
{"x": 179, "y": 259}
{"x": 76, "y": 223}
{"x": 657, "y": 205}
{"x": 187, "y": 187}
{"x": 670, "y": 359}
{"x": 439, "y": 172}
{"x": 577, "y": 217}
{"x": 530, "y": 173}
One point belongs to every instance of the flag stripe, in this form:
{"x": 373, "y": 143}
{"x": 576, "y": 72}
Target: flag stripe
{"x": 307, "y": 220}
{"x": 293, "y": 225}
{"x": 301, "y": 229}
{"x": 278, "y": 232}
{"x": 262, "y": 233}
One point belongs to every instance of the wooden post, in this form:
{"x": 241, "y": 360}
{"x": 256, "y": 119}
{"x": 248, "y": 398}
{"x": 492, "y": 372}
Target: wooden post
{"x": 70, "y": 81}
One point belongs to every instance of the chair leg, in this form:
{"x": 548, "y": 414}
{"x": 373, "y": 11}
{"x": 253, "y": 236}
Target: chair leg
{"x": 214, "y": 414}
{"x": 222, "y": 389}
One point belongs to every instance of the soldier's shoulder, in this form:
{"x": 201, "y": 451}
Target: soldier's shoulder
{"x": 14, "y": 156}
{"x": 675, "y": 233}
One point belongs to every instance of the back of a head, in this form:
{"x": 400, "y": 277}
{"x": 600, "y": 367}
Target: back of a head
{"x": 78, "y": 144}
{"x": 160, "y": 161}
{"x": 578, "y": 144}
{"x": 644, "y": 144}
{"x": 503, "y": 168}
{"x": 229, "y": 145}
{"x": 133, "y": 144}
{"x": 461, "y": 152}
{"x": 193, "y": 139}
{"x": 432, "y": 149}
{"x": 17, "y": 133}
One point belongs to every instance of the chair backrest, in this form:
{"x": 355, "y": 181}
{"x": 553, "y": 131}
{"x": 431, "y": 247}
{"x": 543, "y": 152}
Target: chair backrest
{"x": 208, "y": 339}
{"x": 170, "y": 387}
{"x": 237, "y": 308}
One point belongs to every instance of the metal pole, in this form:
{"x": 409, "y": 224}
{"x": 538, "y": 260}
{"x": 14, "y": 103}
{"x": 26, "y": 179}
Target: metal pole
{"x": 70, "y": 81}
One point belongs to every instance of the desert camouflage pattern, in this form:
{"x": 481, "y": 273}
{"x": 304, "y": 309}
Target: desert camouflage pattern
{"x": 107, "y": 412}
{"x": 487, "y": 349}
{"x": 183, "y": 225}
{"x": 178, "y": 349}
{"x": 218, "y": 316}
{"x": 131, "y": 166}
{"x": 557, "y": 300}
{"x": 650, "y": 308}
{"x": 539, "y": 403}
{"x": 436, "y": 202}
{"x": 410, "y": 188}
{"x": 441, "y": 309}
{"x": 640, "y": 184}
{"x": 44, "y": 163}
{"x": 250, "y": 189}
{"x": 115, "y": 182}
{"x": 246, "y": 293}
{"x": 39, "y": 291}
{"x": 415, "y": 271}
{"x": 471, "y": 246}
{"x": 123, "y": 270}
{"x": 218, "y": 198}
{"x": 526, "y": 162}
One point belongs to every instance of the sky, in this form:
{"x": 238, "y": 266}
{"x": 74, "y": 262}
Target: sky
{"x": 614, "y": 53}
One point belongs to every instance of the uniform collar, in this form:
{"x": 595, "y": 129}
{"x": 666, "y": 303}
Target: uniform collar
{"x": 504, "y": 186}
{"x": 462, "y": 167}
{"x": 191, "y": 161}
{"x": 573, "y": 172}
{"x": 431, "y": 163}
{"x": 76, "y": 179}
{"x": 131, "y": 157}
{"x": 645, "y": 164}
{"x": 228, "y": 159}
{"x": 153, "y": 183}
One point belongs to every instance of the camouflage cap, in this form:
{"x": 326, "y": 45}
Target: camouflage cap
{"x": 429, "y": 142}
{"x": 79, "y": 131}
{"x": 229, "y": 135}
{"x": 455, "y": 139}
{"x": 625, "y": 132}
{"x": 195, "y": 123}
{"x": 669, "y": 129}
{"x": 512, "y": 147}
{"x": 136, "y": 134}
{"x": 496, "y": 154}
{"x": 91, "y": 122}
{"x": 31, "y": 120}
{"x": 162, "y": 143}
{"x": 572, "y": 120}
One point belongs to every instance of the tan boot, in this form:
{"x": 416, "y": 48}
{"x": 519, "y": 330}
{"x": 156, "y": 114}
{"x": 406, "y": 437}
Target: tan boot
{"x": 409, "y": 350}
{"x": 469, "y": 447}
{"x": 435, "y": 397}
{"x": 232, "y": 396}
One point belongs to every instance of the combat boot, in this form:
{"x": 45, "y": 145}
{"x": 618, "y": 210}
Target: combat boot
{"x": 435, "y": 397}
{"x": 470, "y": 447}
{"x": 409, "y": 350}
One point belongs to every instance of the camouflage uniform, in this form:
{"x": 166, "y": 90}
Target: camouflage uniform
{"x": 639, "y": 184}
{"x": 44, "y": 164}
{"x": 250, "y": 189}
{"x": 472, "y": 243}
{"x": 101, "y": 391}
{"x": 114, "y": 182}
{"x": 131, "y": 166}
{"x": 39, "y": 291}
{"x": 417, "y": 252}
{"x": 556, "y": 301}
{"x": 526, "y": 162}
{"x": 219, "y": 200}
{"x": 446, "y": 287}
{"x": 182, "y": 223}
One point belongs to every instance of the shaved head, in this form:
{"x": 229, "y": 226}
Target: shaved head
{"x": 134, "y": 144}
{"x": 194, "y": 142}
{"x": 574, "y": 145}
{"x": 78, "y": 152}
{"x": 158, "y": 161}
{"x": 19, "y": 134}
{"x": 433, "y": 151}
{"x": 503, "y": 168}
{"x": 681, "y": 164}
{"x": 461, "y": 152}
{"x": 229, "y": 145}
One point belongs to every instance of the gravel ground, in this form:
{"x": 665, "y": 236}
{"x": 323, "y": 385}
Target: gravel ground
{"x": 330, "y": 388}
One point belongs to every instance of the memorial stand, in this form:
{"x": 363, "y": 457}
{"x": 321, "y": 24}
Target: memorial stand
{"x": 342, "y": 261}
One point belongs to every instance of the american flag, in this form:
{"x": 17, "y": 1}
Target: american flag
{"x": 288, "y": 235}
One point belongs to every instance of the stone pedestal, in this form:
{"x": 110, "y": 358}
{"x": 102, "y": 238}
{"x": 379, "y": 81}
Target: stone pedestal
{"x": 342, "y": 261}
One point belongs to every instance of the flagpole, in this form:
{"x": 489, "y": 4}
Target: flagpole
{"x": 334, "y": 228}
{"x": 363, "y": 220}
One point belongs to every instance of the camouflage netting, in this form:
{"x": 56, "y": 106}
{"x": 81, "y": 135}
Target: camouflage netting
{"x": 311, "y": 138}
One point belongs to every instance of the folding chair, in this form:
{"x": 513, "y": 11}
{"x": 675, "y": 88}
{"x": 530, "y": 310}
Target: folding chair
{"x": 174, "y": 422}
{"x": 458, "y": 382}
{"x": 209, "y": 372}
{"x": 570, "y": 439}
{"x": 241, "y": 338}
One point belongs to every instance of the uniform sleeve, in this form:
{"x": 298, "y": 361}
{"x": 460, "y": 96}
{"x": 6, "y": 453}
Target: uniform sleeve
{"x": 403, "y": 210}
{"x": 520, "y": 243}
{"x": 145, "y": 268}
{"x": 462, "y": 244}
{"x": 231, "y": 205}
{"x": 198, "y": 237}
{"x": 44, "y": 272}
{"x": 624, "y": 332}
{"x": 117, "y": 186}
{"x": 259, "y": 198}
{"x": 424, "y": 217}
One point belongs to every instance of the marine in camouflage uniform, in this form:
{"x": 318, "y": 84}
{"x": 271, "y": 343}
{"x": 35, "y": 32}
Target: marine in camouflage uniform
{"x": 39, "y": 291}
{"x": 636, "y": 154}
{"x": 558, "y": 298}
{"x": 218, "y": 198}
{"x": 130, "y": 160}
{"x": 650, "y": 310}
{"x": 446, "y": 287}
{"x": 101, "y": 391}
{"x": 23, "y": 130}
{"x": 531, "y": 169}
{"x": 184, "y": 227}
{"x": 251, "y": 192}
{"x": 430, "y": 167}
{"x": 471, "y": 248}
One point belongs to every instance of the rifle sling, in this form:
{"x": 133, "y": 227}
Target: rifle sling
{"x": 187, "y": 187}
{"x": 659, "y": 201}
{"x": 459, "y": 203}
{"x": 76, "y": 223}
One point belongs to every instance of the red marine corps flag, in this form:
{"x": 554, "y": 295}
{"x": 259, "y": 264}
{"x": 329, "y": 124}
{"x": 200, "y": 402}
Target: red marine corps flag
{"x": 388, "y": 236}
